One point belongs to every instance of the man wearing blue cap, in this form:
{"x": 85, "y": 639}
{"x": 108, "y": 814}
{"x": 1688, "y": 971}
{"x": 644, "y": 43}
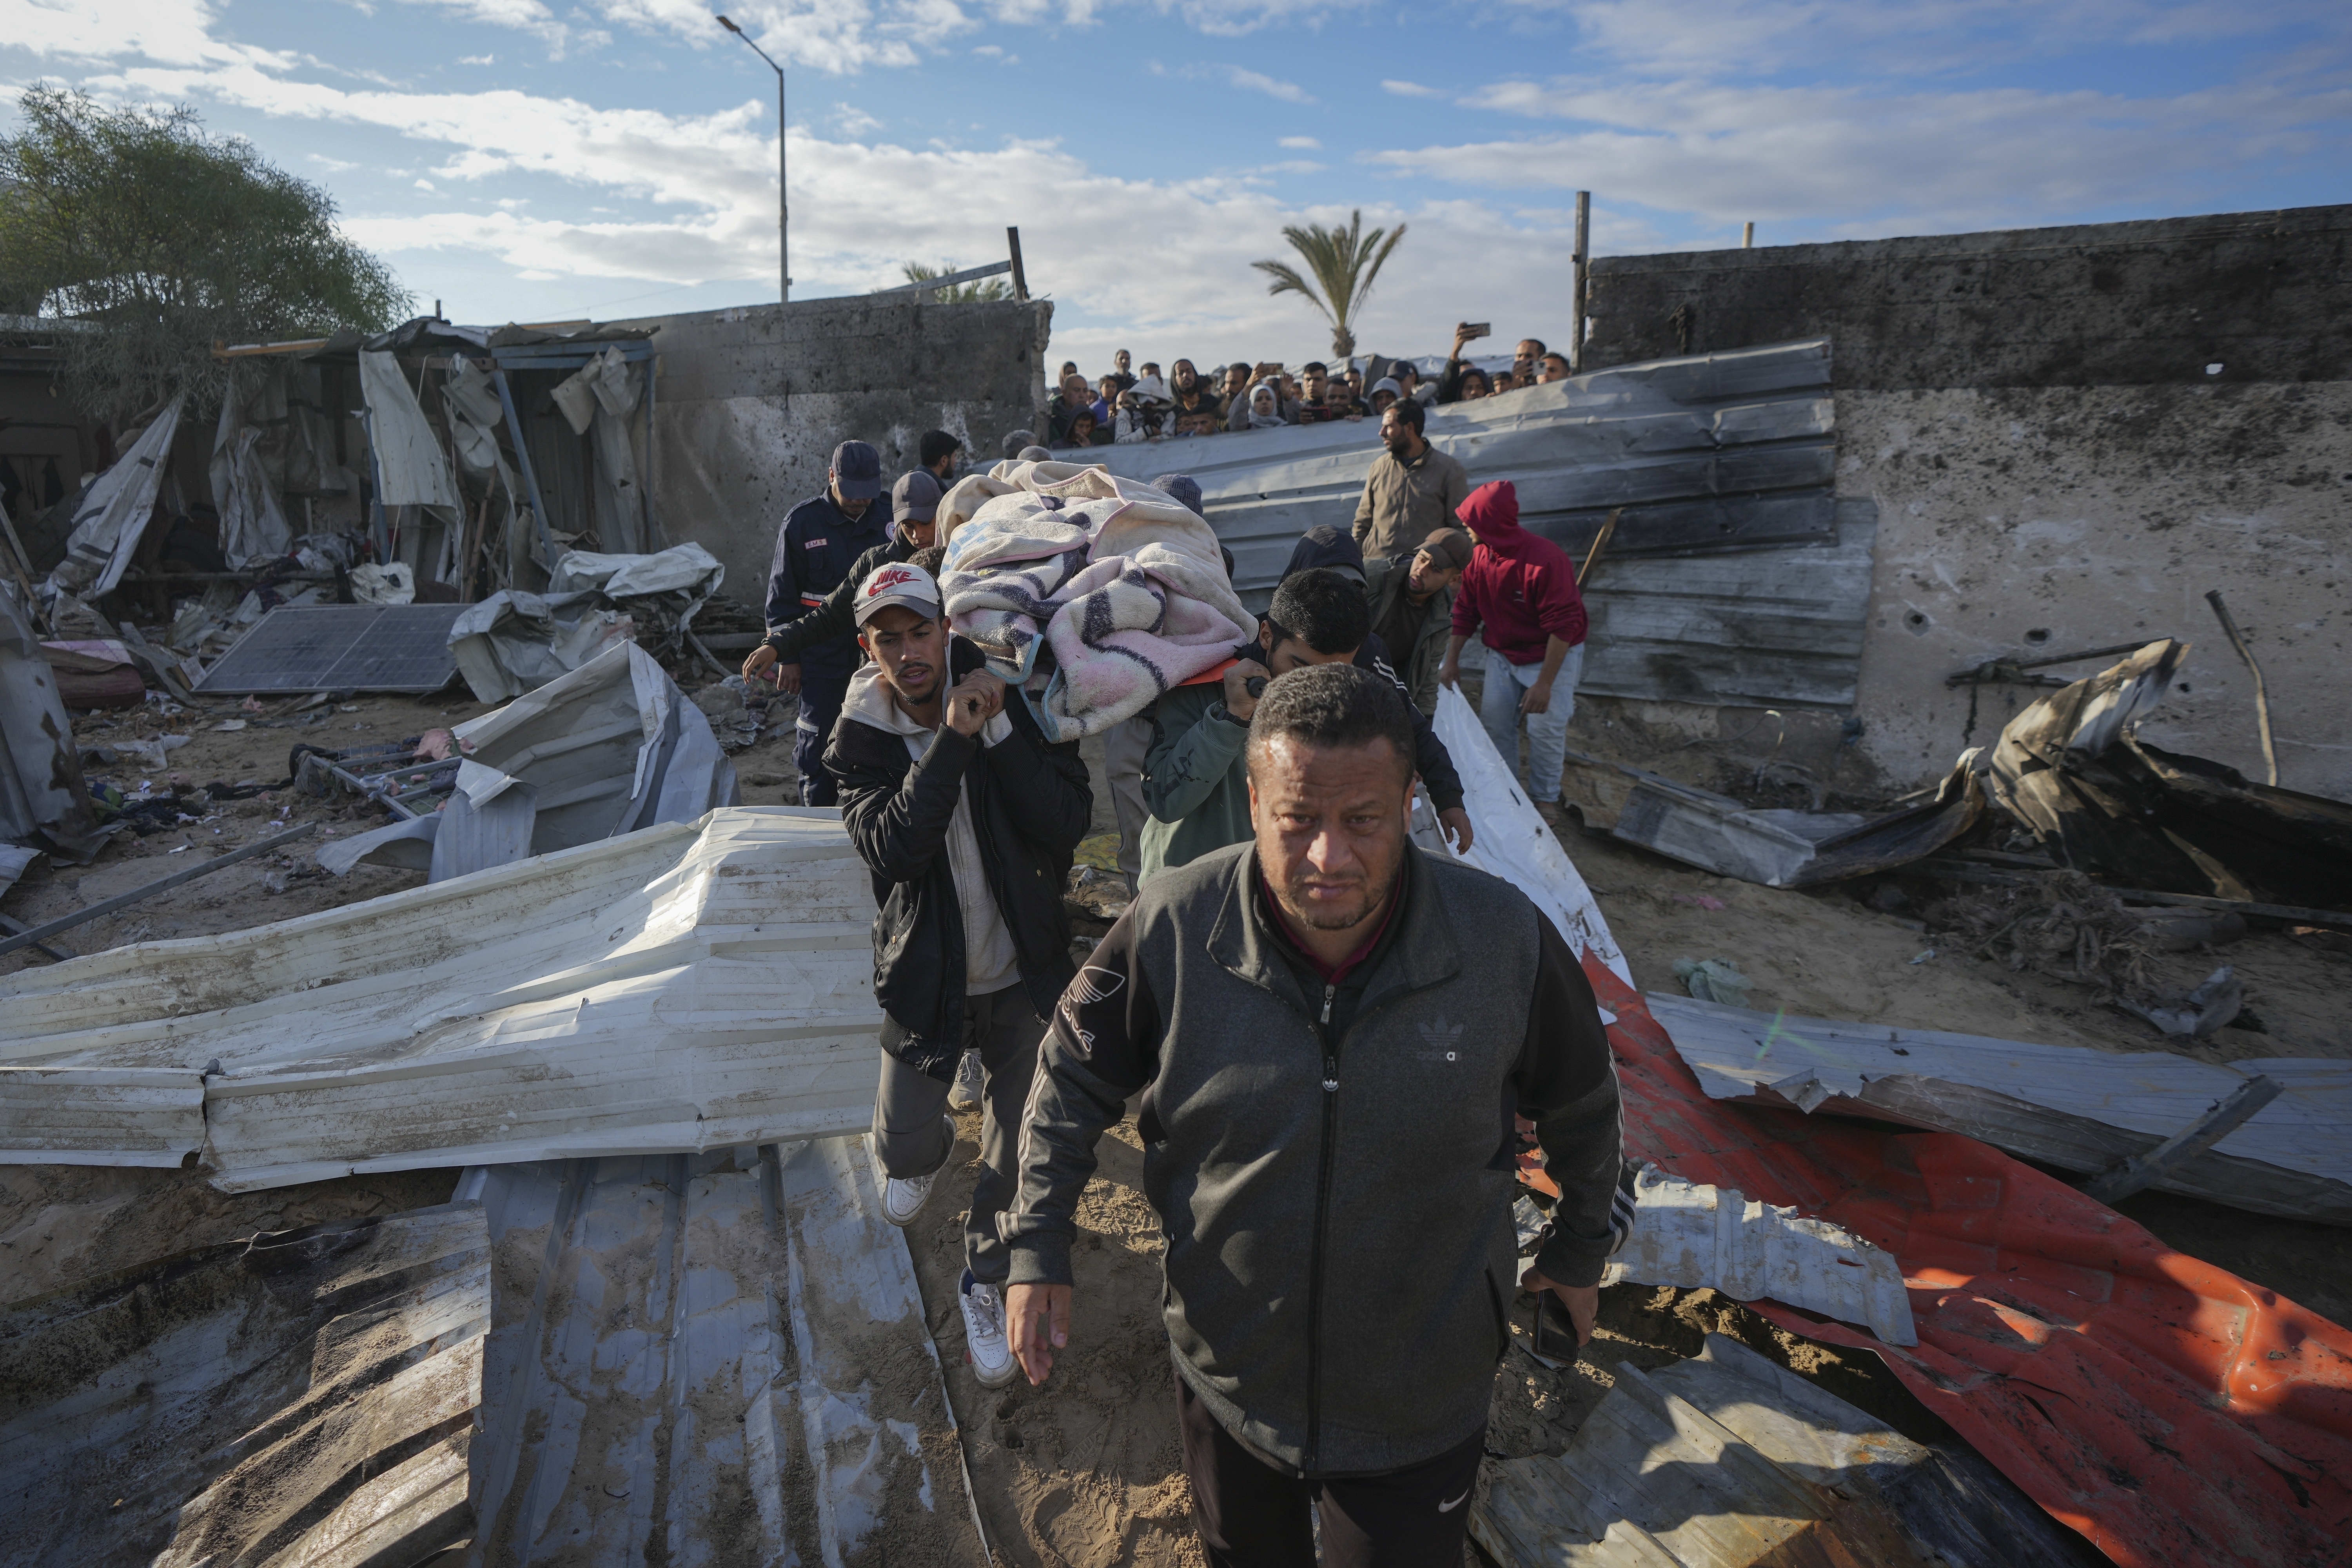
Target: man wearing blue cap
{"x": 815, "y": 550}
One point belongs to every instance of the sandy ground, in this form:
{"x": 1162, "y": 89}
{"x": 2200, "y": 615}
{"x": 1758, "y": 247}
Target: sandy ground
{"x": 1085, "y": 1471}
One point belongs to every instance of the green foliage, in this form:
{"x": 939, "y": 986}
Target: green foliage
{"x": 1341, "y": 266}
{"x": 957, "y": 293}
{"x": 173, "y": 240}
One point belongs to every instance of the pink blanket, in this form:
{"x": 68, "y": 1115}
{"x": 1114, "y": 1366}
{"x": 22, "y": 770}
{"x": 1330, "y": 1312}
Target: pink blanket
{"x": 1121, "y": 584}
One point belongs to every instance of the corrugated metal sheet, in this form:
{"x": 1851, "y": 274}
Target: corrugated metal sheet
{"x": 1734, "y": 576}
{"x": 716, "y": 1358}
{"x": 1726, "y": 1460}
{"x": 1688, "y": 1235}
{"x": 684, "y": 987}
{"x": 307, "y": 1397}
{"x": 2061, "y": 1104}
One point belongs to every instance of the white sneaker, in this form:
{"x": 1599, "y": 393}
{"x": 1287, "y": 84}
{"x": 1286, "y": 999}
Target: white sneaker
{"x": 984, "y": 1344}
{"x": 964, "y": 1094}
{"x": 903, "y": 1197}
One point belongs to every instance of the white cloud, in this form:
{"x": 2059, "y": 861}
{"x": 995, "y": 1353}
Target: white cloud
{"x": 1411, "y": 89}
{"x": 477, "y": 59}
{"x": 1300, "y": 143}
{"x": 1258, "y": 82}
{"x": 852, "y": 121}
{"x": 1938, "y": 159}
{"x": 332, "y": 165}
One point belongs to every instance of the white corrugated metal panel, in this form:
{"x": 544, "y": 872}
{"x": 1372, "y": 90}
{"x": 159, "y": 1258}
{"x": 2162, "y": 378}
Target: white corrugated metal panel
{"x": 101, "y": 1115}
{"x": 1689, "y": 1235}
{"x": 1733, "y": 577}
{"x": 687, "y": 986}
{"x": 716, "y": 1358}
{"x": 1509, "y": 840}
{"x": 306, "y": 1397}
{"x": 2069, "y": 1105}
{"x": 1727, "y": 1460}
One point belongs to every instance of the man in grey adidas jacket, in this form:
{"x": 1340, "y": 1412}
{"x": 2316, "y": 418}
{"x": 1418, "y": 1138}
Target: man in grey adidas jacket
{"x": 1332, "y": 1032}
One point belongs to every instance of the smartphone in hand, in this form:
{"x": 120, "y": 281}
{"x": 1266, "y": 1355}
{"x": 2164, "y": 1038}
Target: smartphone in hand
{"x": 1469, "y": 329}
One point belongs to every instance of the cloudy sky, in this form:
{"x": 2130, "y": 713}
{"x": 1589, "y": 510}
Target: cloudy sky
{"x": 538, "y": 160}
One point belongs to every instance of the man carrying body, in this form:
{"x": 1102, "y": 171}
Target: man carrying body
{"x": 820, "y": 541}
{"x": 1521, "y": 588}
{"x": 967, "y": 818}
{"x": 1412, "y": 487}
{"x": 1194, "y": 781}
{"x": 914, "y": 514}
{"x": 1412, "y": 597}
{"x": 1331, "y": 1035}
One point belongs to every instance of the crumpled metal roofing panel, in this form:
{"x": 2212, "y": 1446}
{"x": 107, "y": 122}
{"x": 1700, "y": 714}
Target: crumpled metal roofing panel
{"x": 2165, "y": 1408}
{"x": 1688, "y": 1235}
{"x": 307, "y": 1397}
{"x": 684, "y": 987}
{"x": 1738, "y": 1053}
{"x": 716, "y": 1358}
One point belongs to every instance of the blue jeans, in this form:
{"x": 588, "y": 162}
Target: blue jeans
{"x": 821, "y": 696}
{"x": 1498, "y": 711}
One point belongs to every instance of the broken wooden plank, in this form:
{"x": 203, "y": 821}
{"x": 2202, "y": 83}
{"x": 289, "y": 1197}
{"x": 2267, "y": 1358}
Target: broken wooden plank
{"x": 2069, "y": 1106}
{"x": 2225, "y": 1118}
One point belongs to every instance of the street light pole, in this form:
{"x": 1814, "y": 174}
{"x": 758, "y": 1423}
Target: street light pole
{"x": 783, "y": 205}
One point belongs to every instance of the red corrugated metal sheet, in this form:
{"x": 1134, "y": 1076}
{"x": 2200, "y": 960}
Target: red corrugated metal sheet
{"x": 2170, "y": 1410}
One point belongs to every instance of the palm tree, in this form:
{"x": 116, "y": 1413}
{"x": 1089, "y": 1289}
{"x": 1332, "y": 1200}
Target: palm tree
{"x": 956, "y": 293}
{"x": 1341, "y": 265}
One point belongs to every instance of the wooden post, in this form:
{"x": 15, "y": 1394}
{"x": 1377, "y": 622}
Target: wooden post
{"x": 1580, "y": 297}
{"x": 2261, "y": 692}
{"x": 1020, "y": 278}
{"x": 2112, "y": 1186}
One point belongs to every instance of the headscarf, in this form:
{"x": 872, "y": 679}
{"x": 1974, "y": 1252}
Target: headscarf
{"x": 1266, "y": 421}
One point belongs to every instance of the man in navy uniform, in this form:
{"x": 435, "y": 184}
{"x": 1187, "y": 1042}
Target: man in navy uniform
{"x": 818, "y": 545}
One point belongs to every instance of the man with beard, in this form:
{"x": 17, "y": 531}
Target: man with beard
{"x": 1331, "y": 1034}
{"x": 1412, "y": 489}
{"x": 967, "y": 818}
{"x": 1199, "y": 410}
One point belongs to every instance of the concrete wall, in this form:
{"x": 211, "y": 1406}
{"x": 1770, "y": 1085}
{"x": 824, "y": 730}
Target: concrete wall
{"x": 2055, "y": 467}
{"x": 751, "y": 403}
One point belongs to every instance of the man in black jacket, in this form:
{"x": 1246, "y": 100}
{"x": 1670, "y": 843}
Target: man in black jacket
{"x": 914, "y": 517}
{"x": 1332, "y": 1033}
{"x": 820, "y": 540}
{"x": 967, "y": 818}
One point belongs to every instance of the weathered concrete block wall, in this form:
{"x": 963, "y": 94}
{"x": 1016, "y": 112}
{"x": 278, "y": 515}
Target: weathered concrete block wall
{"x": 751, "y": 402}
{"x": 2057, "y": 465}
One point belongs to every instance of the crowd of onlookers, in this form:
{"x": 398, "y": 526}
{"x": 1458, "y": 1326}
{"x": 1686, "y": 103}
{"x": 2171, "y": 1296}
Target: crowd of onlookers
{"x": 1131, "y": 403}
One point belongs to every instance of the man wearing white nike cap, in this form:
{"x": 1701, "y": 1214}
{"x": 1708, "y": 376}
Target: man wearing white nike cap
{"x": 967, "y": 817}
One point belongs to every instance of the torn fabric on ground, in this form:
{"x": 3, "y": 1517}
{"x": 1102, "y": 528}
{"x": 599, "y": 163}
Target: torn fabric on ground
{"x": 112, "y": 516}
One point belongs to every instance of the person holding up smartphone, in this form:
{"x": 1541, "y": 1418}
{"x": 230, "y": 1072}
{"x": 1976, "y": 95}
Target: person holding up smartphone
{"x": 1449, "y": 381}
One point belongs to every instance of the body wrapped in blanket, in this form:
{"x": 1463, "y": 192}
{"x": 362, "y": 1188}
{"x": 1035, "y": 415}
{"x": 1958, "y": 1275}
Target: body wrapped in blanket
{"x": 1090, "y": 593}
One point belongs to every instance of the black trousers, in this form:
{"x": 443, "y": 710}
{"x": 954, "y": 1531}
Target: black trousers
{"x": 820, "y": 697}
{"x": 1250, "y": 1515}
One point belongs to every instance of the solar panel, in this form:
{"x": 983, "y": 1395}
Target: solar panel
{"x": 339, "y": 648}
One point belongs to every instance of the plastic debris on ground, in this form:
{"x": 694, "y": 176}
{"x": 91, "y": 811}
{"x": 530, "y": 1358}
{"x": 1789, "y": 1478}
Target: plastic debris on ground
{"x": 1726, "y": 1461}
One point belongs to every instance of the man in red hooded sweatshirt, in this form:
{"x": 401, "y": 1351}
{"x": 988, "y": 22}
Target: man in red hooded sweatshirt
{"x": 1519, "y": 592}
